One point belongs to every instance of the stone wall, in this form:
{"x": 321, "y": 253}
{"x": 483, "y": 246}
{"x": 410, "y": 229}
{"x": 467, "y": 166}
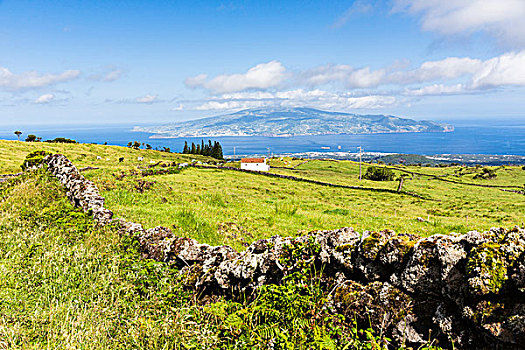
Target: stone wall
{"x": 80, "y": 191}
{"x": 464, "y": 289}
{"x": 316, "y": 182}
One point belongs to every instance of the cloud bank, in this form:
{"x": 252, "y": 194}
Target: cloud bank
{"x": 502, "y": 19}
{"x": 147, "y": 99}
{"x": 262, "y": 76}
{"x": 346, "y": 87}
{"x": 33, "y": 80}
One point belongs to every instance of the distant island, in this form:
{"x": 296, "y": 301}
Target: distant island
{"x": 282, "y": 122}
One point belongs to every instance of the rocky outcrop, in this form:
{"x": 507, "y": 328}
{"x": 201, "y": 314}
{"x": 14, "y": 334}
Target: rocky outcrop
{"x": 467, "y": 290}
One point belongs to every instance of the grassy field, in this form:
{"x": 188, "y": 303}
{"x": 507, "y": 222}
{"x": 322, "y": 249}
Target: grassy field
{"x": 67, "y": 284}
{"x": 12, "y": 153}
{"x": 219, "y": 206}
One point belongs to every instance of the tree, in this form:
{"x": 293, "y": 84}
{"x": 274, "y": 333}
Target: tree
{"x": 209, "y": 149}
{"x": 217, "y": 151}
{"x": 18, "y": 133}
{"x": 379, "y": 174}
{"x": 148, "y": 146}
{"x": 219, "y": 154}
{"x": 31, "y": 138}
{"x": 136, "y": 145}
{"x": 206, "y": 149}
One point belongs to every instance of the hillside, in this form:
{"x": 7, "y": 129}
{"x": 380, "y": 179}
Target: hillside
{"x": 204, "y": 203}
{"x": 292, "y": 122}
{"x": 58, "y": 267}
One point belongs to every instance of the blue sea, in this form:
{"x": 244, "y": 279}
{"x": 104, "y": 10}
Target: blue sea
{"x": 489, "y": 137}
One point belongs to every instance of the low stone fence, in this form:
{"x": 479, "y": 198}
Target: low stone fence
{"x": 467, "y": 289}
{"x": 80, "y": 191}
{"x": 316, "y": 182}
{"x": 6, "y": 177}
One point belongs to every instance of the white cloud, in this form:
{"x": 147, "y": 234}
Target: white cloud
{"x": 365, "y": 88}
{"x": 32, "y": 79}
{"x": 326, "y": 74}
{"x": 292, "y": 98}
{"x": 262, "y": 76}
{"x": 504, "y": 70}
{"x": 228, "y": 105}
{"x": 358, "y": 7}
{"x": 44, "y": 99}
{"x": 364, "y": 78}
{"x": 446, "y": 69}
{"x": 500, "y": 18}
{"x": 449, "y": 68}
{"x": 368, "y": 102}
{"x": 437, "y": 89}
{"x": 196, "y": 81}
{"x": 507, "y": 69}
{"x": 147, "y": 99}
{"x": 108, "y": 75}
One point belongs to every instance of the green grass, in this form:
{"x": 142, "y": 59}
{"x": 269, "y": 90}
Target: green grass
{"x": 68, "y": 284}
{"x": 200, "y": 203}
{"x": 266, "y": 206}
{"x": 12, "y": 153}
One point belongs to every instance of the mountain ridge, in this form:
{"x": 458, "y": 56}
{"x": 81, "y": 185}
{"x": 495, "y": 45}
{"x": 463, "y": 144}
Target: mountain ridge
{"x": 293, "y": 121}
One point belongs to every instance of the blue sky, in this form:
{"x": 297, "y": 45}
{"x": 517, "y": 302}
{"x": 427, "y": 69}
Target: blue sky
{"x": 97, "y": 62}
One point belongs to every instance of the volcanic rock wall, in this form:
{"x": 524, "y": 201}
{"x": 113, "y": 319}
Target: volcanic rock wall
{"x": 80, "y": 191}
{"x": 464, "y": 289}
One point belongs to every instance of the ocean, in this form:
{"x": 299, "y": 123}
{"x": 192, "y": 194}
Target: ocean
{"x": 488, "y": 138}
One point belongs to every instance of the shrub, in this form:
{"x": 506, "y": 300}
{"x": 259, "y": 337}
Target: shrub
{"x": 487, "y": 173}
{"x": 61, "y": 140}
{"x": 379, "y": 174}
{"x": 33, "y": 159}
{"x": 32, "y": 138}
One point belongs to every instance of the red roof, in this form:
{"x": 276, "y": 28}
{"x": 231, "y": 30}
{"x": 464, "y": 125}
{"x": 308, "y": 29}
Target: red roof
{"x": 252, "y": 160}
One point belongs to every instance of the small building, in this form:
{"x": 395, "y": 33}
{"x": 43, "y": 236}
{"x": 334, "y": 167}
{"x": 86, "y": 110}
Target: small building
{"x": 254, "y": 164}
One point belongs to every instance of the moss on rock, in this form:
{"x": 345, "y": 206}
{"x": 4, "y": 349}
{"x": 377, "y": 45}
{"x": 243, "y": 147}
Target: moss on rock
{"x": 487, "y": 268}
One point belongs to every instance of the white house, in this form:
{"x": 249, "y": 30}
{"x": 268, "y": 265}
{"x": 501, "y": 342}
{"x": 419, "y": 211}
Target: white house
{"x": 254, "y": 164}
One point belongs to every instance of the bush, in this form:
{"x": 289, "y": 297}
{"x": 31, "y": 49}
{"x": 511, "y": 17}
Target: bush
{"x": 32, "y": 138}
{"x": 487, "y": 173}
{"x": 33, "y": 159}
{"x": 379, "y": 174}
{"x": 61, "y": 140}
